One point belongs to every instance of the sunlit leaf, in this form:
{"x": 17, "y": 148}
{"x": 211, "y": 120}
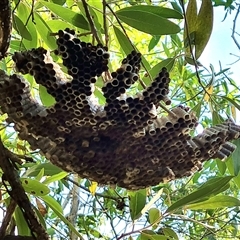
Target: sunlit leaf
{"x": 232, "y": 101}
{"x": 208, "y": 93}
{"x": 147, "y": 22}
{"x": 154, "y": 216}
{"x": 236, "y": 157}
{"x": 76, "y": 19}
{"x": 204, "y": 27}
{"x": 210, "y": 188}
{"x": 22, "y": 226}
{"x": 55, "y": 206}
{"x": 49, "y": 169}
{"x": 126, "y": 45}
{"x": 215, "y": 202}
{"x": 46, "y": 98}
{"x": 160, "y": 11}
{"x": 221, "y": 166}
{"x": 34, "y": 187}
{"x": 151, "y": 235}
{"x": 190, "y": 25}
{"x": 55, "y": 178}
{"x": 137, "y": 201}
{"x": 234, "y": 112}
{"x": 21, "y": 28}
{"x": 170, "y": 233}
{"x": 153, "y": 42}
{"x": 167, "y": 63}
{"x": 45, "y": 32}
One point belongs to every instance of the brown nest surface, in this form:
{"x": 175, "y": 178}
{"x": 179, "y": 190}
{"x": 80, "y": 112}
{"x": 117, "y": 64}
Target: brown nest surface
{"x": 124, "y": 142}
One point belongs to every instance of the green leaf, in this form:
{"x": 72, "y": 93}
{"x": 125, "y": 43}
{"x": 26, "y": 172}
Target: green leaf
{"x": 21, "y": 223}
{"x": 147, "y": 22}
{"x": 34, "y": 187}
{"x": 45, "y": 32}
{"x": 68, "y": 15}
{"x": 54, "y": 25}
{"x": 232, "y": 102}
{"x": 154, "y": 216}
{"x": 153, "y": 42}
{"x": 160, "y": 11}
{"x": 191, "y": 18}
{"x": 215, "y": 202}
{"x": 23, "y": 12}
{"x": 55, "y": 177}
{"x": 167, "y": 63}
{"x": 55, "y": 206}
{"x": 46, "y": 98}
{"x": 170, "y": 233}
{"x": 123, "y": 41}
{"x": 137, "y": 201}
{"x": 49, "y": 170}
{"x": 236, "y": 157}
{"x": 126, "y": 45}
{"x": 52, "y": 203}
{"x": 151, "y": 235}
{"x": 210, "y": 188}
{"x": 221, "y": 166}
{"x": 21, "y": 28}
{"x": 204, "y": 27}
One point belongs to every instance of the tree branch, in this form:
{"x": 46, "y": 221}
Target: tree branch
{"x": 18, "y": 194}
{"x": 90, "y": 20}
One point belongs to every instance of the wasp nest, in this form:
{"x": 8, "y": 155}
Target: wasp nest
{"x": 124, "y": 142}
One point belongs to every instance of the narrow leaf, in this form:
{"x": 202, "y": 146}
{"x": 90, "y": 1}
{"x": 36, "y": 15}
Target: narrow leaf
{"x": 190, "y": 25}
{"x": 46, "y": 98}
{"x": 167, "y": 63}
{"x": 21, "y": 223}
{"x": 55, "y": 178}
{"x": 126, "y": 45}
{"x": 204, "y": 27}
{"x": 210, "y": 188}
{"x": 137, "y": 201}
{"x": 21, "y": 28}
{"x": 208, "y": 93}
{"x": 215, "y": 202}
{"x": 160, "y": 11}
{"x": 34, "y": 187}
{"x": 49, "y": 170}
{"x": 236, "y": 157}
{"x": 68, "y": 15}
{"x": 52, "y": 205}
{"x": 45, "y": 32}
{"x": 146, "y": 22}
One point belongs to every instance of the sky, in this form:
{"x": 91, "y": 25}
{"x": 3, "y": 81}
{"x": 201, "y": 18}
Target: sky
{"x": 221, "y": 45}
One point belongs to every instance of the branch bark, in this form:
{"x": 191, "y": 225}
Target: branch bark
{"x": 18, "y": 194}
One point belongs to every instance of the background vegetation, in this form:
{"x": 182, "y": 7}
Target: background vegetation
{"x": 167, "y": 33}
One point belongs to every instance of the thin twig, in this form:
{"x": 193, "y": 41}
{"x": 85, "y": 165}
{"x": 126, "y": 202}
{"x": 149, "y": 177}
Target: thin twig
{"x": 105, "y": 22}
{"x": 7, "y": 218}
{"x": 97, "y": 194}
{"x": 90, "y": 20}
{"x": 234, "y": 27}
{"x": 108, "y": 216}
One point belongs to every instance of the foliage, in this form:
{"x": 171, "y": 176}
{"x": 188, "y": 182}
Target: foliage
{"x": 169, "y": 34}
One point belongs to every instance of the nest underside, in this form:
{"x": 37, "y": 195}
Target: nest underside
{"x": 125, "y": 142}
